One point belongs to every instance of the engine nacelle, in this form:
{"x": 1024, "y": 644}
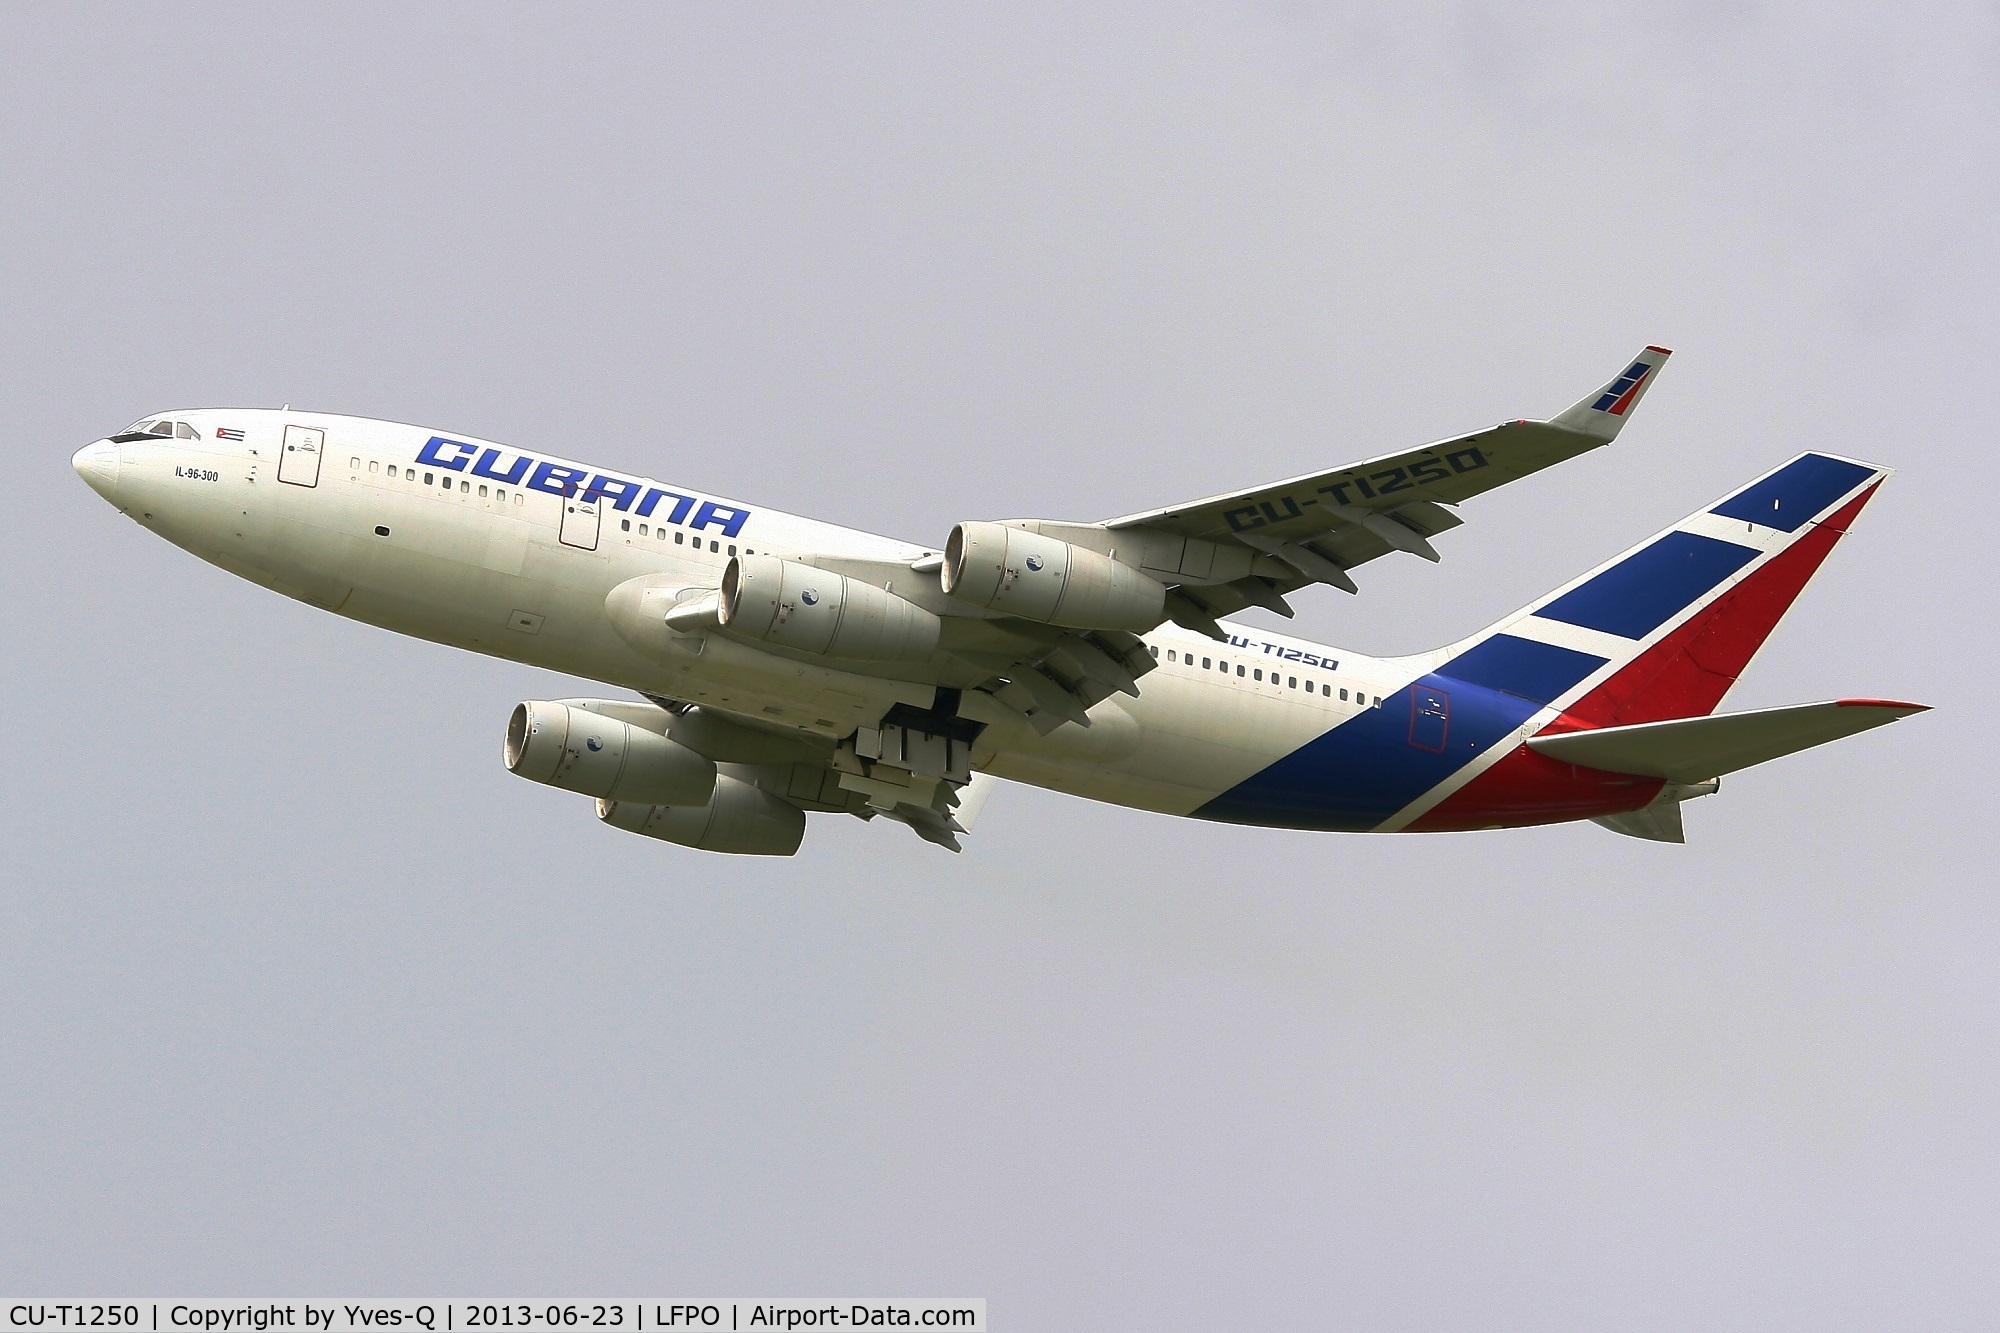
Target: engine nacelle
{"x": 1040, "y": 578}
{"x": 737, "y": 818}
{"x": 601, "y": 756}
{"x": 782, "y": 602}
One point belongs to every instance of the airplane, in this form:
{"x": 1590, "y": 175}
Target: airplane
{"x": 781, "y": 666}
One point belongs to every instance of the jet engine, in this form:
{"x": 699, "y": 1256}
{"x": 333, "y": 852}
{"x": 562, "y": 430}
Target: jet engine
{"x": 1040, "y": 578}
{"x": 768, "y": 600}
{"x": 604, "y": 757}
{"x": 737, "y": 817}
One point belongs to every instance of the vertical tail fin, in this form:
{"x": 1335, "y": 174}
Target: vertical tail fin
{"x": 1661, "y": 632}
{"x": 1677, "y": 618}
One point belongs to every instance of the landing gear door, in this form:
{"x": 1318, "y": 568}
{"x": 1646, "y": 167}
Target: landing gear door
{"x": 579, "y": 520}
{"x": 298, "y": 465}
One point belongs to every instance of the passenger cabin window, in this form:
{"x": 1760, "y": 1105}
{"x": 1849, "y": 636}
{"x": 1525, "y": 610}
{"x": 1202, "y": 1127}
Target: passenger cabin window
{"x": 680, "y": 539}
{"x": 465, "y": 488}
{"x": 625, "y": 525}
{"x": 1239, "y": 669}
{"x": 354, "y": 463}
{"x": 429, "y": 478}
{"x": 374, "y": 465}
{"x": 482, "y": 492}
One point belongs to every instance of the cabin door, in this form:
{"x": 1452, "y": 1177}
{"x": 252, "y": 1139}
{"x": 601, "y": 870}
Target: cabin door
{"x": 579, "y": 519}
{"x": 298, "y": 465}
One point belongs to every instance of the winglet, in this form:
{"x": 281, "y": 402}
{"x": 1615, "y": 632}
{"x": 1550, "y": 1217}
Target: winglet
{"x": 1603, "y": 413}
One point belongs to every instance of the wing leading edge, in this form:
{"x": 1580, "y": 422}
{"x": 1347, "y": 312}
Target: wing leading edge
{"x": 1227, "y": 553}
{"x": 1315, "y": 527}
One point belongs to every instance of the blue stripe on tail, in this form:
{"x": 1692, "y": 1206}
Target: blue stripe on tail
{"x": 1650, "y": 587}
{"x": 1795, "y": 493}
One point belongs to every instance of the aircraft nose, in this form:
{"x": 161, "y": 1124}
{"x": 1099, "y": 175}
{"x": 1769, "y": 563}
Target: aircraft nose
{"x": 97, "y": 464}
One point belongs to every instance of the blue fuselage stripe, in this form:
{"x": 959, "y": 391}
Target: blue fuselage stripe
{"x": 1372, "y": 765}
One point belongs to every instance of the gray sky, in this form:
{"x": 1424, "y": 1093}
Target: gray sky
{"x": 301, "y": 992}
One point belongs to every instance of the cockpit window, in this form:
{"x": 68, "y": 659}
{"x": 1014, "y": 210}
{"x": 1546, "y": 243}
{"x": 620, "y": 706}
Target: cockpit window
{"x": 164, "y": 428}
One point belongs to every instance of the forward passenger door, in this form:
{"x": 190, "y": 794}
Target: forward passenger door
{"x": 298, "y": 464}
{"x": 580, "y": 520}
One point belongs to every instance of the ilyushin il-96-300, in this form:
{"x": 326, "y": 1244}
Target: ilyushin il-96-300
{"x": 780, "y": 666}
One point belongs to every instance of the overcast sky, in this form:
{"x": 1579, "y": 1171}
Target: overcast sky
{"x": 302, "y": 993}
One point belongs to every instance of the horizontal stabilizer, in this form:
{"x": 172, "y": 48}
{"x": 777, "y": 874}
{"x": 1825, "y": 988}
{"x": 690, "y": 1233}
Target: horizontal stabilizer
{"x": 1692, "y": 749}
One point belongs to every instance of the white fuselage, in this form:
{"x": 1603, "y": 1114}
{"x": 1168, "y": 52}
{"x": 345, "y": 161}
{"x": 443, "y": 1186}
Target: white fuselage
{"x": 476, "y": 545}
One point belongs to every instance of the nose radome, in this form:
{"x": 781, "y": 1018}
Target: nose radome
{"x": 97, "y": 464}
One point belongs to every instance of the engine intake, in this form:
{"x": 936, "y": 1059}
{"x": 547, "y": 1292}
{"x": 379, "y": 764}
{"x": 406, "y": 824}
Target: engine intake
{"x": 586, "y": 752}
{"x": 768, "y": 600}
{"x": 736, "y": 818}
{"x": 1040, "y": 578}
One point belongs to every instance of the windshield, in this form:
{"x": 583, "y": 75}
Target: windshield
{"x": 153, "y": 429}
